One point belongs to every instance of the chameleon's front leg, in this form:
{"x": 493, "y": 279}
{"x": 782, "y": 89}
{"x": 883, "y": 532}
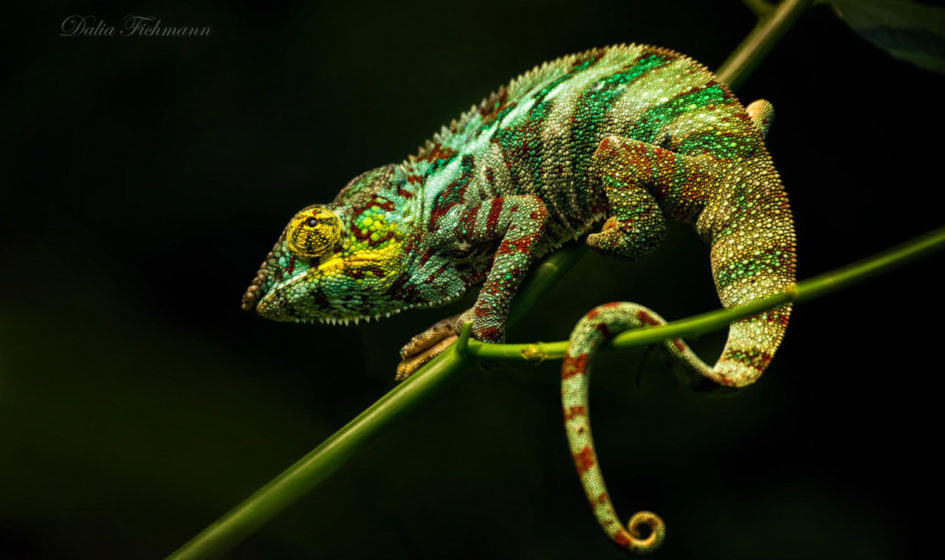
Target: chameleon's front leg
{"x": 518, "y": 223}
{"x": 427, "y": 345}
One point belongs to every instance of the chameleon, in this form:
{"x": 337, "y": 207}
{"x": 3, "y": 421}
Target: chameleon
{"x": 607, "y": 145}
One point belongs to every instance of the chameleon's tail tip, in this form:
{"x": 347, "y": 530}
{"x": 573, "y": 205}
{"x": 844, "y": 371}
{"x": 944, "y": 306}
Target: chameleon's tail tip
{"x": 645, "y": 540}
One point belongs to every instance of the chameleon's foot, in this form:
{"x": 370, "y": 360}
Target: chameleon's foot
{"x": 412, "y": 363}
{"x": 433, "y": 341}
{"x": 426, "y": 346}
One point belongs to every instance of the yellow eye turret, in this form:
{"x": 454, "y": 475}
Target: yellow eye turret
{"x": 313, "y": 232}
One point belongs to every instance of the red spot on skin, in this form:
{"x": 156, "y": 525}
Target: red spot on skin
{"x": 574, "y": 412}
{"x": 603, "y": 328}
{"x": 593, "y": 313}
{"x": 380, "y": 240}
{"x": 506, "y": 247}
{"x": 647, "y": 319}
{"x": 602, "y": 498}
{"x": 679, "y": 345}
{"x": 403, "y": 193}
{"x": 584, "y": 460}
{"x": 744, "y": 117}
{"x": 426, "y": 256}
{"x": 755, "y": 359}
{"x": 573, "y": 366}
{"x": 603, "y": 146}
{"x": 489, "y": 334}
{"x": 520, "y": 245}
{"x": 610, "y": 304}
{"x": 289, "y": 269}
{"x": 436, "y": 274}
{"x": 622, "y": 539}
{"x": 362, "y": 272}
{"x": 384, "y": 204}
{"x": 494, "y": 212}
{"x": 439, "y": 152}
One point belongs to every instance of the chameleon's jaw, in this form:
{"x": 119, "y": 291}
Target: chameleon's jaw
{"x": 268, "y": 308}
{"x": 276, "y": 303}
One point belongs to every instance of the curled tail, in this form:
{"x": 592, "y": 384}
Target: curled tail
{"x": 749, "y": 226}
{"x": 592, "y": 330}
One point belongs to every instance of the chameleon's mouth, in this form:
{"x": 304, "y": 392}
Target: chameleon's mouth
{"x": 272, "y": 303}
{"x": 270, "y": 308}
{"x": 276, "y": 303}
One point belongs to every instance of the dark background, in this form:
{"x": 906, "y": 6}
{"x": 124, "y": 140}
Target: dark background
{"x": 144, "y": 179}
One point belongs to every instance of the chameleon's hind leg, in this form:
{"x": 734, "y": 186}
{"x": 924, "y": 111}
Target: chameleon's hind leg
{"x": 637, "y": 177}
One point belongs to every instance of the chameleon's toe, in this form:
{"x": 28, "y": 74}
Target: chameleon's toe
{"x": 427, "y": 345}
{"x": 413, "y": 362}
{"x": 607, "y": 240}
{"x": 430, "y": 337}
{"x": 609, "y": 224}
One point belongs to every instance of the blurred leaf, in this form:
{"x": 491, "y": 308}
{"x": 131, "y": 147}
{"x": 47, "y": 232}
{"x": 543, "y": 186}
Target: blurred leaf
{"x": 907, "y": 30}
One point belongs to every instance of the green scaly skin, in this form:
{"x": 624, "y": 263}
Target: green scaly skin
{"x": 627, "y": 137}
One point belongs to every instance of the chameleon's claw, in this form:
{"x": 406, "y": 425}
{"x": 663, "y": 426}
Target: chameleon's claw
{"x": 427, "y": 345}
{"x": 414, "y": 362}
{"x": 428, "y": 338}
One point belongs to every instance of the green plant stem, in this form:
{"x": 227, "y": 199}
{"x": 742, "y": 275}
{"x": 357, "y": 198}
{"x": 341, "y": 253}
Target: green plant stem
{"x": 760, "y": 41}
{"x": 284, "y": 490}
{"x": 761, "y": 8}
{"x": 719, "y": 319}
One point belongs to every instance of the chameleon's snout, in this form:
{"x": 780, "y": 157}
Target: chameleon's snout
{"x": 250, "y": 298}
{"x": 255, "y": 292}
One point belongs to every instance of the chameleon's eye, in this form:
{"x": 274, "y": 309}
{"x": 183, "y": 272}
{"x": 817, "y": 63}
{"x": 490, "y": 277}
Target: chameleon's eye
{"x": 313, "y": 232}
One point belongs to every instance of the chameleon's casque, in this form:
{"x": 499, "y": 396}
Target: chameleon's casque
{"x": 620, "y": 140}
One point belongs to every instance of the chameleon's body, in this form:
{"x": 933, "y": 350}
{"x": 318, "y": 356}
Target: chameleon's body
{"x": 633, "y": 135}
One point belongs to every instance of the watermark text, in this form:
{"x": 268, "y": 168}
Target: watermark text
{"x": 131, "y": 26}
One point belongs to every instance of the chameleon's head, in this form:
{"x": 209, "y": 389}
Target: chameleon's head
{"x": 333, "y": 262}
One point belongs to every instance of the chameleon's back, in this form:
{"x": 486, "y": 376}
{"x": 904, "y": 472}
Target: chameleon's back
{"x": 537, "y": 135}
